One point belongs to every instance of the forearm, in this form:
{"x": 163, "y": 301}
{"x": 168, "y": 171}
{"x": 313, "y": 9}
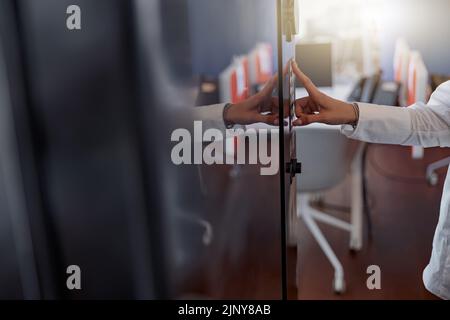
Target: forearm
{"x": 211, "y": 116}
{"x": 418, "y": 125}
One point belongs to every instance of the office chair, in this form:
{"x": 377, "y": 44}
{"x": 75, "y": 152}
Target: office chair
{"x": 326, "y": 163}
{"x": 387, "y": 94}
{"x": 432, "y": 176}
{"x": 356, "y": 93}
{"x": 332, "y": 168}
{"x": 401, "y": 69}
{"x": 369, "y": 88}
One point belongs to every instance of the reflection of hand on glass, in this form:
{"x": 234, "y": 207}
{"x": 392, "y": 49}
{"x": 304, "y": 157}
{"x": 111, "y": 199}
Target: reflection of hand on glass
{"x": 318, "y": 107}
{"x": 262, "y": 107}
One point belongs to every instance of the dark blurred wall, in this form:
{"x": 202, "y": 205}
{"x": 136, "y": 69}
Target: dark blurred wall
{"x": 220, "y": 29}
{"x": 177, "y": 45}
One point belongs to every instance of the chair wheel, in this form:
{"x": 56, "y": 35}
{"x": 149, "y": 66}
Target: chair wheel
{"x": 433, "y": 179}
{"x": 338, "y": 285}
{"x": 355, "y": 245}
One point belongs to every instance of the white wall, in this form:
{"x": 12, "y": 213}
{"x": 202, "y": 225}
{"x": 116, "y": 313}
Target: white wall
{"x": 426, "y": 26}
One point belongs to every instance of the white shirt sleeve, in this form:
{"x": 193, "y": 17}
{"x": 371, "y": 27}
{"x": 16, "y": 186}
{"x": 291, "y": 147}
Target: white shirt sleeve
{"x": 211, "y": 116}
{"x": 418, "y": 125}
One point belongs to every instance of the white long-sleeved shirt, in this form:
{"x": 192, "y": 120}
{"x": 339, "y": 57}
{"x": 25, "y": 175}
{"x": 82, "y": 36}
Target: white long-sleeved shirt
{"x": 211, "y": 116}
{"x": 418, "y": 125}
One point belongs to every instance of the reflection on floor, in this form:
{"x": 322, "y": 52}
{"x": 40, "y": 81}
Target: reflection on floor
{"x": 243, "y": 262}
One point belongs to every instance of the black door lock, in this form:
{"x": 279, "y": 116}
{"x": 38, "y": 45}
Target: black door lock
{"x": 293, "y": 167}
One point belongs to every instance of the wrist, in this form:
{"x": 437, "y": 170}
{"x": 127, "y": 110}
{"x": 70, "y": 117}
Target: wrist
{"x": 228, "y": 118}
{"x": 356, "y": 112}
{"x": 352, "y": 114}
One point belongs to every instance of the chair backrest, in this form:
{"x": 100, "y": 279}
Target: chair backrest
{"x": 260, "y": 64}
{"x": 417, "y": 79}
{"x": 356, "y": 93}
{"x": 325, "y": 156}
{"x": 369, "y": 88}
{"x": 387, "y": 94}
{"x": 401, "y": 65}
{"x": 437, "y": 80}
{"x": 234, "y": 81}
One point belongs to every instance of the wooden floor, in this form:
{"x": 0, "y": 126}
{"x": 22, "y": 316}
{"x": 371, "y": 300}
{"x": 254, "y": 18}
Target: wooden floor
{"x": 243, "y": 261}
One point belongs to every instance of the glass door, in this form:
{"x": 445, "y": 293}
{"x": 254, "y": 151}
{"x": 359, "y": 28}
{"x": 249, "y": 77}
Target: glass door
{"x": 287, "y": 29}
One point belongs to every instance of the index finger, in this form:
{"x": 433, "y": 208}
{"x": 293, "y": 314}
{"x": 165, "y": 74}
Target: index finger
{"x": 270, "y": 85}
{"x": 307, "y": 83}
{"x": 266, "y": 91}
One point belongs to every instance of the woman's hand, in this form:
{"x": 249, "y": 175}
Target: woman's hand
{"x": 318, "y": 107}
{"x": 262, "y": 107}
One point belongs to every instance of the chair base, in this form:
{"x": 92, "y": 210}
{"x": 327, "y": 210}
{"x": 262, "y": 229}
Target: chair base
{"x": 310, "y": 215}
{"x": 432, "y": 176}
